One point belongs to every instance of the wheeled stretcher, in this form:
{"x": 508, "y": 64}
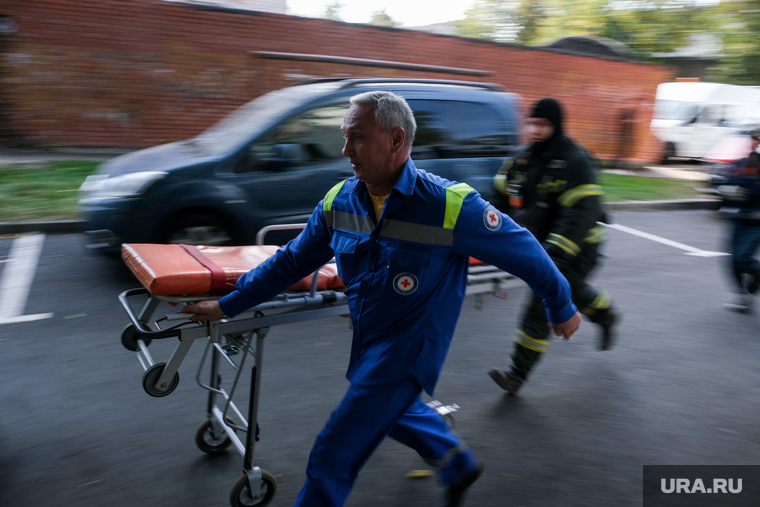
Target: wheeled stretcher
{"x": 179, "y": 275}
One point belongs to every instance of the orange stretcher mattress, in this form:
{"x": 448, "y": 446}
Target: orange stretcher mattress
{"x": 176, "y": 270}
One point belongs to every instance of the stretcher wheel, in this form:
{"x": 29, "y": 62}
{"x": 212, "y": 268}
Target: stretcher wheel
{"x": 449, "y": 420}
{"x": 151, "y": 376}
{"x": 207, "y": 442}
{"x": 240, "y": 496}
{"x": 129, "y": 338}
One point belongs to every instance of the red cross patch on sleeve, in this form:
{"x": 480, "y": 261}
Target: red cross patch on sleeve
{"x": 492, "y": 218}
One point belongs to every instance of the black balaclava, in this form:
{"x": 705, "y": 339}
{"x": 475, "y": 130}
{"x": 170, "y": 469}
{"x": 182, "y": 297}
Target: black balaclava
{"x": 552, "y": 111}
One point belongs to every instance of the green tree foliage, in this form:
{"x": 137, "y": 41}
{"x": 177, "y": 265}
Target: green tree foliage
{"x": 646, "y": 26}
{"x": 740, "y": 24}
{"x": 530, "y": 15}
{"x": 332, "y": 11}
{"x": 382, "y": 18}
{"x": 491, "y": 19}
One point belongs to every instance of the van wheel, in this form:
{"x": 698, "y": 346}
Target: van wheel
{"x": 668, "y": 153}
{"x": 199, "y": 229}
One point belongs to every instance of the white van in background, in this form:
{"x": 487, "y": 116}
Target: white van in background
{"x": 690, "y": 118}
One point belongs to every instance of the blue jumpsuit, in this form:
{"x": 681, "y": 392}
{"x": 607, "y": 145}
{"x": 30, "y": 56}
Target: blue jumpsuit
{"x": 405, "y": 277}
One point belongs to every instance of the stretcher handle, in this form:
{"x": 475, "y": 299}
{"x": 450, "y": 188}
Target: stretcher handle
{"x": 139, "y": 326}
{"x": 269, "y": 228}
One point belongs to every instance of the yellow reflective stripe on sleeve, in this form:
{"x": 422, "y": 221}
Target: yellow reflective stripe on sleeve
{"x": 455, "y": 195}
{"x": 531, "y": 343}
{"x": 596, "y": 235}
{"x": 500, "y": 183}
{"x": 564, "y": 243}
{"x": 330, "y": 197}
{"x": 572, "y": 196}
{"x": 601, "y": 301}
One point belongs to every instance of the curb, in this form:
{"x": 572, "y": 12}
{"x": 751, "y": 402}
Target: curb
{"x": 78, "y": 226}
{"x": 675, "y": 205}
{"x": 53, "y": 227}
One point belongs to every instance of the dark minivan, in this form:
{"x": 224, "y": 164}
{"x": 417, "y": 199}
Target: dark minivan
{"x": 272, "y": 160}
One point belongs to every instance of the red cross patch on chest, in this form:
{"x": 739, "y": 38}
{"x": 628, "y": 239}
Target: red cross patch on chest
{"x": 405, "y": 283}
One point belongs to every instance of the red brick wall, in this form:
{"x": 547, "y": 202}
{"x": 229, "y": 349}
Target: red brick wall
{"x": 135, "y": 73}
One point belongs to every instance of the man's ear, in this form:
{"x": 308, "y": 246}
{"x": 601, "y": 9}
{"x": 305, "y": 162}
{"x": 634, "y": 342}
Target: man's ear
{"x": 398, "y": 138}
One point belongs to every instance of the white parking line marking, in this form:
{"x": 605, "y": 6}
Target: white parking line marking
{"x": 17, "y": 277}
{"x": 690, "y": 250}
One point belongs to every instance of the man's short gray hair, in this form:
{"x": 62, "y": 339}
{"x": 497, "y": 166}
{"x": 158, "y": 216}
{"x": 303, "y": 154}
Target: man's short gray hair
{"x": 391, "y": 111}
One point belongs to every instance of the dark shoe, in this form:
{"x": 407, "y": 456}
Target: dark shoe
{"x": 454, "y": 495}
{"x": 753, "y": 284}
{"x": 607, "y": 340}
{"x": 741, "y": 302}
{"x": 506, "y": 380}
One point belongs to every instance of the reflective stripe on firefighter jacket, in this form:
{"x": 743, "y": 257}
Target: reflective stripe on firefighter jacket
{"x": 559, "y": 196}
{"x": 406, "y": 274}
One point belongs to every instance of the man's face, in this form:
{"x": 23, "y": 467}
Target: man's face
{"x": 538, "y": 130}
{"x": 367, "y": 148}
{"x": 755, "y": 142}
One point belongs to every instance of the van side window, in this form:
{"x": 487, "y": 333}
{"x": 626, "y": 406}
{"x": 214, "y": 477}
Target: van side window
{"x": 712, "y": 115}
{"x": 433, "y": 133}
{"x": 457, "y": 129}
{"x": 308, "y": 138}
{"x": 482, "y": 131}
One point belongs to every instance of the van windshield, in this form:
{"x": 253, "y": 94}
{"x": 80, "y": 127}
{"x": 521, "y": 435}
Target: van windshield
{"x": 675, "y": 110}
{"x": 248, "y": 120}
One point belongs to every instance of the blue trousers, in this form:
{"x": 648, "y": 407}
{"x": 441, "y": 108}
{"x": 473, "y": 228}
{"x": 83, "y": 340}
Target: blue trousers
{"x": 745, "y": 240}
{"x": 357, "y": 426}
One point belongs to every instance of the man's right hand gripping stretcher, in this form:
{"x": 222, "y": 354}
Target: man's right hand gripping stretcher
{"x": 204, "y": 310}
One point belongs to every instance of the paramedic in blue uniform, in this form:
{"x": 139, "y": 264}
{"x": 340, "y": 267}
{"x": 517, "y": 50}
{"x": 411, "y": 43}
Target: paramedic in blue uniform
{"x": 402, "y": 240}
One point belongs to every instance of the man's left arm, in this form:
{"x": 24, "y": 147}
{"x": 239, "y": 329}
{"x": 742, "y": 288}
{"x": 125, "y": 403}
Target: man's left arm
{"x": 484, "y": 233}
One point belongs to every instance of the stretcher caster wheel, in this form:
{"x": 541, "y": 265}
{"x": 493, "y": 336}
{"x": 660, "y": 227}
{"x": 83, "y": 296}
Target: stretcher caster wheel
{"x": 151, "y": 376}
{"x": 129, "y": 338}
{"x": 449, "y": 420}
{"x": 207, "y": 442}
{"x": 240, "y": 496}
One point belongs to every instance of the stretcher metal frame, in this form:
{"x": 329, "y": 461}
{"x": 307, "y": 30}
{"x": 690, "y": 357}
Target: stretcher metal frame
{"x": 230, "y": 337}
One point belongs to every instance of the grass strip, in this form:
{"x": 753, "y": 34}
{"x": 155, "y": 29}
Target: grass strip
{"x": 41, "y": 193}
{"x": 621, "y": 187}
{"x": 50, "y": 191}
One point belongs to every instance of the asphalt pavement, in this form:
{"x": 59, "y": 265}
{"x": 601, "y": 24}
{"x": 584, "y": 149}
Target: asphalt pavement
{"x": 680, "y": 388}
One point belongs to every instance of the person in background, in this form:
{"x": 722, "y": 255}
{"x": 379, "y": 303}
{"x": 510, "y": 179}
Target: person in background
{"x": 552, "y": 191}
{"x": 402, "y": 239}
{"x": 740, "y": 188}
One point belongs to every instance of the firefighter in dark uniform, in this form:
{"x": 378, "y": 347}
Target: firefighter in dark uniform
{"x": 550, "y": 188}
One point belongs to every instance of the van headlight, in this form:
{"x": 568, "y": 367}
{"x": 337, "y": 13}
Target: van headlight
{"x": 100, "y": 186}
